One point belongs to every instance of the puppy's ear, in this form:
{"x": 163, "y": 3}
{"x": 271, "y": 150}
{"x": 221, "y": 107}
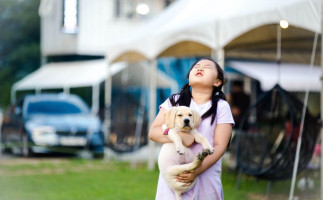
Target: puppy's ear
{"x": 170, "y": 117}
{"x": 196, "y": 118}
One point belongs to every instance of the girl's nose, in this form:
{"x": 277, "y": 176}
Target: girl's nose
{"x": 200, "y": 69}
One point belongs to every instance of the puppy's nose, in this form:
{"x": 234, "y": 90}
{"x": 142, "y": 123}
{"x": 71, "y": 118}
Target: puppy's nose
{"x": 186, "y": 121}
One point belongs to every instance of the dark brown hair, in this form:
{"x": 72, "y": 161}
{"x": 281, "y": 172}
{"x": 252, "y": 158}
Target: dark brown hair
{"x": 185, "y": 95}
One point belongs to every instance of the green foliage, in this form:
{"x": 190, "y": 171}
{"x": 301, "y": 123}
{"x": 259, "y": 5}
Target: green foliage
{"x": 19, "y": 43}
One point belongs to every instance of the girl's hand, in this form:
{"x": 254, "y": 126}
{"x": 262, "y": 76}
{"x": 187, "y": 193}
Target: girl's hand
{"x": 187, "y": 177}
{"x": 187, "y": 139}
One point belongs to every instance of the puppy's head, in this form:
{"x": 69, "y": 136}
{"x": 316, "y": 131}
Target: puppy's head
{"x": 182, "y": 118}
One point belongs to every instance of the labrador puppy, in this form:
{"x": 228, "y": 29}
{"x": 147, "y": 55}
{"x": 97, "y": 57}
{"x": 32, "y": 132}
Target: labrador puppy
{"x": 174, "y": 158}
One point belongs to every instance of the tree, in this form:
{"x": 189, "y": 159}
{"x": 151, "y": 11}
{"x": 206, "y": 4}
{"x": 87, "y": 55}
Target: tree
{"x": 19, "y": 43}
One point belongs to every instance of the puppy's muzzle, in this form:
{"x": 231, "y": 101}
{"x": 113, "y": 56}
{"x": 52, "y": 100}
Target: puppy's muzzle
{"x": 186, "y": 122}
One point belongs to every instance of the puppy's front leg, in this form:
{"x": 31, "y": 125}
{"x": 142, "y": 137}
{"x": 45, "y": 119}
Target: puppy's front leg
{"x": 178, "y": 169}
{"x": 177, "y": 140}
{"x": 199, "y": 138}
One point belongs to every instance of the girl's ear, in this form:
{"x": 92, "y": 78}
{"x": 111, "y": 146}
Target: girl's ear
{"x": 196, "y": 118}
{"x": 217, "y": 83}
{"x": 170, "y": 117}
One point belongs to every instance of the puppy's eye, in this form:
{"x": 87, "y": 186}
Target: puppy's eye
{"x": 180, "y": 115}
{"x": 190, "y": 115}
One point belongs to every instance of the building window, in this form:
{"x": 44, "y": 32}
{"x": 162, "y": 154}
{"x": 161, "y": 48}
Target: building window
{"x": 117, "y": 8}
{"x": 124, "y": 9}
{"x": 70, "y": 16}
{"x": 168, "y": 2}
{"x": 130, "y": 9}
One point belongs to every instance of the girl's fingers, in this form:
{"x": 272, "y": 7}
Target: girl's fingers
{"x": 184, "y": 178}
{"x": 188, "y": 183}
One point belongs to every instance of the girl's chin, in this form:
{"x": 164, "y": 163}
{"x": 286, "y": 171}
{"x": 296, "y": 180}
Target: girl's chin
{"x": 199, "y": 81}
{"x": 201, "y": 85}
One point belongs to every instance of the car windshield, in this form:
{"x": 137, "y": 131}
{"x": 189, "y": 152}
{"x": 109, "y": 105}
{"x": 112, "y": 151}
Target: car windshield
{"x": 53, "y": 107}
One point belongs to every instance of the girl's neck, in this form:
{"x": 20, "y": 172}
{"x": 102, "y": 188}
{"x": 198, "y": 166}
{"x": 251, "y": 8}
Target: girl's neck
{"x": 201, "y": 96}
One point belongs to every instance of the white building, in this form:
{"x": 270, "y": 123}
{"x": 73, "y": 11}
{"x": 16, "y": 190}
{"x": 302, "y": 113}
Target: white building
{"x": 80, "y": 30}
{"x": 85, "y": 28}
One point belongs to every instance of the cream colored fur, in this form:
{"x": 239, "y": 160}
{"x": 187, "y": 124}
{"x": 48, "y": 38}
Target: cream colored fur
{"x": 174, "y": 158}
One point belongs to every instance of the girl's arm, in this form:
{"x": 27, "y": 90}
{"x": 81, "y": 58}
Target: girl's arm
{"x": 156, "y": 132}
{"x": 222, "y": 135}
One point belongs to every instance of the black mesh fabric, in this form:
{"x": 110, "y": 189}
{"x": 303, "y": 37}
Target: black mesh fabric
{"x": 268, "y": 135}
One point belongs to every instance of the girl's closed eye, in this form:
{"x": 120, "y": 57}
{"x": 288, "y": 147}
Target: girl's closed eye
{"x": 204, "y": 67}
{"x": 208, "y": 67}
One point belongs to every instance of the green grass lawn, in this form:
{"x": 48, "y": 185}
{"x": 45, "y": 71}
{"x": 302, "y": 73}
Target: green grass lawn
{"x": 78, "y": 179}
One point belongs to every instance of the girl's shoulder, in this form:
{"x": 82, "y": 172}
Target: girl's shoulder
{"x": 167, "y": 103}
{"x": 223, "y": 102}
{"x": 223, "y": 105}
{"x": 224, "y": 114}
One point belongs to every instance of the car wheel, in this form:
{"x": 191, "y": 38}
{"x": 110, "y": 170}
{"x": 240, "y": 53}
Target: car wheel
{"x": 98, "y": 155}
{"x": 3, "y": 144}
{"x": 25, "y": 150}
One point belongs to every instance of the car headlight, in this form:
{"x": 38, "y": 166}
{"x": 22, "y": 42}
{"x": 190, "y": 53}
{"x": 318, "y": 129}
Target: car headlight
{"x": 44, "y": 135}
{"x": 42, "y": 130}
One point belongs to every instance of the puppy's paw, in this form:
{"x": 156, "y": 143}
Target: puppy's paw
{"x": 180, "y": 149}
{"x": 199, "y": 156}
{"x": 209, "y": 150}
{"x": 202, "y": 155}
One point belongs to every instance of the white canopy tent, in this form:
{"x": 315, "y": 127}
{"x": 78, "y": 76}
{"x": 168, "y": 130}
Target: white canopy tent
{"x": 68, "y": 75}
{"x": 191, "y": 27}
{"x": 134, "y": 73}
{"x": 205, "y": 27}
{"x": 291, "y": 76}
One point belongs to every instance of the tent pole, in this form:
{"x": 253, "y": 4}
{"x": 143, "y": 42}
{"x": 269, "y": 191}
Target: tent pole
{"x": 321, "y": 100}
{"x": 38, "y": 91}
{"x": 95, "y": 98}
{"x": 219, "y": 50}
{"x": 278, "y": 55}
{"x": 220, "y": 57}
{"x": 299, "y": 139}
{"x": 107, "y": 105}
{"x": 152, "y": 111}
{"x": 322, "y": 125}
{"x": 13, "y": 95}
{"x": 66, "y": 90}
{"x": 140, "y": 117}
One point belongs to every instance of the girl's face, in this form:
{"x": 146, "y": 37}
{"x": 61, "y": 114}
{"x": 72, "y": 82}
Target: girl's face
{"x": 204, "y": 73}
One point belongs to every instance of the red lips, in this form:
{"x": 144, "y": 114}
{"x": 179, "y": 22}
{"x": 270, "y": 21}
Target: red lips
{"x": 198, "y": 74}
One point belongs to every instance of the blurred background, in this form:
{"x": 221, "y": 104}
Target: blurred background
{"x": 84, "y": 79}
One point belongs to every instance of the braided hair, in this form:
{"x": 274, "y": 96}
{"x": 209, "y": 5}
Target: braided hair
{"x": 185, "y": 94}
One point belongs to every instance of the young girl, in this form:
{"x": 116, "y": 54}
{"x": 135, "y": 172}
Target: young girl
{"x": 206, "y": 79}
